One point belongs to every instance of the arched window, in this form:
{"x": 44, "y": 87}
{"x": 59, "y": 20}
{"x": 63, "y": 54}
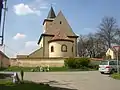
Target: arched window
{"x": 52, "y": 49}
{"x": 64, "y": 48}
{"x": 60, "y": 22}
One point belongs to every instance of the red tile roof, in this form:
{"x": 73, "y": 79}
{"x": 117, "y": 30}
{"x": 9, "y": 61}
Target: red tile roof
{"x": 60, "y": 35}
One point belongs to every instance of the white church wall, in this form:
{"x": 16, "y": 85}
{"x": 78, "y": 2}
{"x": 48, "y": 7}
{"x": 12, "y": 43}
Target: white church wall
{"x": 41, "y": 43}
{"x": 57, "y": 49}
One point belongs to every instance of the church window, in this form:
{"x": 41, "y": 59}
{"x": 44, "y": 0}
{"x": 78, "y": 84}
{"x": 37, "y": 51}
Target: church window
{"x": 64, "y": 48}
{"x": 52, "y": 49}
{"x": 60, "y": 22}
{"x": 72, "y": 48}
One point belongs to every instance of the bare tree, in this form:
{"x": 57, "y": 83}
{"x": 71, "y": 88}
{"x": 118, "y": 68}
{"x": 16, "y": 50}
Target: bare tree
{"x": 90, "y": 46}
{"x": 108, "y": 30}
{"x": 117, "y": 39}
{"x": 82, "y": 46}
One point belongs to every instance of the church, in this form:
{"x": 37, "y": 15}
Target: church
{"x": 58, "y": 39}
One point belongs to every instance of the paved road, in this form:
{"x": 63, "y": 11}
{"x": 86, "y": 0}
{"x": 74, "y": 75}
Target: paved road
{"x": 85, "y": 80}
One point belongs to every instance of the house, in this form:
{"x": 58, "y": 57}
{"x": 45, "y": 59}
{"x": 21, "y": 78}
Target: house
{"x": 4, "y": 60}
{"x": 57, "y": 40}
{"x": 111, "y": 53}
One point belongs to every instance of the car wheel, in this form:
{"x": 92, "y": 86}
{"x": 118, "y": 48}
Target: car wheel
{"x": 102, "y": 72}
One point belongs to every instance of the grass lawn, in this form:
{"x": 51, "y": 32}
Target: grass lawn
{"x": 116, "y": 76}
{"x": 52, "y": 69}
{"x": 6, "y": 85}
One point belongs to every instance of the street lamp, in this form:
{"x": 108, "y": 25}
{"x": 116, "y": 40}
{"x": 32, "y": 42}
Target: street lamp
{"x": 117, "y": 50}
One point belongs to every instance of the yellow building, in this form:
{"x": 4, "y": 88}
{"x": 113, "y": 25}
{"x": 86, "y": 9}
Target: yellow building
{"x": 57, "y": 39}
{"x": 111, "y": 53}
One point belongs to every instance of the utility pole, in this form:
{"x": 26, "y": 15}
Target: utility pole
{"x": 3, "y": 24}
{"x": 118, "y": 62}
{"x": 4, "y": 17}
{"x": 117, "y": 48}
{"x": 4, "y": 7}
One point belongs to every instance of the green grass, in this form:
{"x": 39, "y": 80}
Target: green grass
{"x": 27, "y": 85}
{"x": 27, "y": 69}
{"x": 52, "y": 69}
{"x": 116, "y": 76}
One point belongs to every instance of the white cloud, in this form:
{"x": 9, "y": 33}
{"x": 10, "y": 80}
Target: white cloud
{"x": 33, "y": 7}
{"x": 30, "y": 43}
{"x": 19, "y": 36}
{"x": 24, "y": 9}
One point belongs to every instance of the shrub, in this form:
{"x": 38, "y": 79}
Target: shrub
{"x": 76, "y": 63}
{"x": 70, "y": 62}
{"x": 84, "y": 62}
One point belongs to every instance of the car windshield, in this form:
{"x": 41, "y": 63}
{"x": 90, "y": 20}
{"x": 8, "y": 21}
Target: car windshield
{"x": 104, "y": 63}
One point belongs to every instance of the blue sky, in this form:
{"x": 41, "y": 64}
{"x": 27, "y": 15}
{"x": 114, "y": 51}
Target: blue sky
{"x": 24, "y": 19}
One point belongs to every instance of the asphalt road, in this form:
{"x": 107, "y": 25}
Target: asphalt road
{"x": 84, "y": 80}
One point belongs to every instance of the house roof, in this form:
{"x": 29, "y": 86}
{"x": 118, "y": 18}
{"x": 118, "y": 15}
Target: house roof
{"x": 3, "y": 54}
{"x": 53, "y": 35}
{"x": 60, "y": 35}
{"x": 51, "y": 14}
{"x": 51, "y": 29}
{"x": 113, "y": 48}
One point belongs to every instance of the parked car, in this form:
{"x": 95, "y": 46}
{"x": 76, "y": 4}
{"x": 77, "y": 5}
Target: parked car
{"x": 108, "y": 66}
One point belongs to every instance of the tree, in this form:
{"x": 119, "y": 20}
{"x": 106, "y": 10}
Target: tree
{"x": 82, "y": 46}
{"x": 108, "y": 30}
{"x": 90, "y": 46}
{"x": 117, "y": 40}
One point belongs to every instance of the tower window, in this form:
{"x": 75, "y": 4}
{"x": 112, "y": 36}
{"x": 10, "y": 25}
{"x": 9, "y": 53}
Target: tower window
{"x": 60, "y": 22}
{"x": 64, "y": 48}
{"x": 52, "y": 49}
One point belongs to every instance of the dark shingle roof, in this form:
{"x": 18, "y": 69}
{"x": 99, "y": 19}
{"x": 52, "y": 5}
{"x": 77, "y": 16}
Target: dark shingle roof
{"x": 51, "y": 14}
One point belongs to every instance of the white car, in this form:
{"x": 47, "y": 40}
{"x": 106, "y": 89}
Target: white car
{"x": 108, "y": 66}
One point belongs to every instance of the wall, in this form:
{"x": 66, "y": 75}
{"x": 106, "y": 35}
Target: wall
{"x": 75, "y": 46}
{"x": 111, "y": 53}
{"x": 41, "y": 43}
{"x": 4, "y": 61}
{"x": 34, "y": 62}
{"x": 46, "y": 25}
{"x": 46, "y": 46}
{"x": 57, "y": 49}
{"x": 37, "y": 53}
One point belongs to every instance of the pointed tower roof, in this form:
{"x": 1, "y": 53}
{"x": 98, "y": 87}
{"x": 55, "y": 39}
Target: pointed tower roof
{"x": 51, "y": 14}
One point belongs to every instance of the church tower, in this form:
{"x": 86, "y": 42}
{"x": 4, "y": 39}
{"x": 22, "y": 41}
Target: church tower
{"x": 51, "y": 16}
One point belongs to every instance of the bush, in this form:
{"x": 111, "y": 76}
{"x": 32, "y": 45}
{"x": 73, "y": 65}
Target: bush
{"x": 76, "y": 63}
{"x": 70, "y": 62}
{"x": 93, "y": 66}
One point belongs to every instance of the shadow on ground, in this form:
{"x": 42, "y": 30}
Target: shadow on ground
{"x": 30, "y": 86}
{"x": 56, "y": 83}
